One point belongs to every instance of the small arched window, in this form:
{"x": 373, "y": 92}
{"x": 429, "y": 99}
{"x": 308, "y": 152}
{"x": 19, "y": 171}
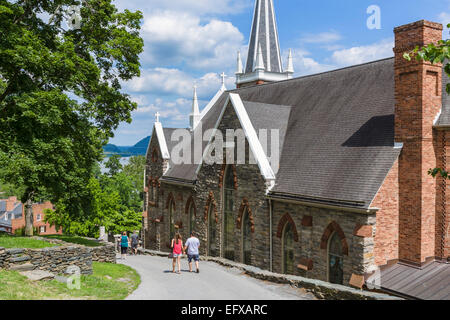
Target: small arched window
{"x": 191, "y": 217}
{"x": 288, "y": 249}
{"x": 171, "y": 220}
{"x": 229, "y": 213}
{"x": 335, "y": 260}
{"x": 246, "y": 238}
{"x": 212, "y": 229}
{"x": 155, "y": 155}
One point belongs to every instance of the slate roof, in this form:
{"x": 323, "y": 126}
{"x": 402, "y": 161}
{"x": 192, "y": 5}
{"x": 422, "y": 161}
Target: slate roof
{"x": 337, "y": 130}
{"x": 2, "y": 206}
{"x": 432, "y": 282}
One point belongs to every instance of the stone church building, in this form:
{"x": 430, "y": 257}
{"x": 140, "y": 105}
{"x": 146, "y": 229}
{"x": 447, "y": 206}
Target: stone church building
{"x": 350, "y": 199}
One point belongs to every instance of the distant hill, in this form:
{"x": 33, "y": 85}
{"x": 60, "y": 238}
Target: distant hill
{"x": 139, "y": 149}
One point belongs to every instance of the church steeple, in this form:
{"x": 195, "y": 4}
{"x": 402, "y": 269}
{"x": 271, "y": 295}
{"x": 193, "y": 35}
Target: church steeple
{"x": 263, "y": 49}
{"x": 194, "y": 117}
{"x": 264, "y": 34}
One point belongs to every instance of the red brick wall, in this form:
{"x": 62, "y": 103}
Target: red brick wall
{"x": 418, "y": 101}
{"x": 386, "y": 234}
{"x": 37, "y": 209}
{"x": 442, "y": 225}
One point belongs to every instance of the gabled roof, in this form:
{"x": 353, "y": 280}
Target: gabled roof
{"x": 336, "y": 128}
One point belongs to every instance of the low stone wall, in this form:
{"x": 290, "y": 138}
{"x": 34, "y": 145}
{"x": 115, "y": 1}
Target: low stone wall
{"x": 57, "y": 259}
{"x": 54, "y": 259}
{"x": 320, "y": 289}
{"x": 104, "y": 253}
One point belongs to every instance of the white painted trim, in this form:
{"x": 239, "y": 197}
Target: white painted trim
{"x": 162, "y": 141}
{"x": 262, "y": 75}
{"x": 437, "y": 117}
{"x": 252, "y": 137}
{"x": 212, "y": 102}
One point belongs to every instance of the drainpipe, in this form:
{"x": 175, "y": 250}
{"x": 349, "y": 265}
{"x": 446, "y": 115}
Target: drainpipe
{"x": 271, "y": 235}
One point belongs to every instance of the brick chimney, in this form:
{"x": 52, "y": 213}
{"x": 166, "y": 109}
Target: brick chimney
{"x": 418, "y": 96}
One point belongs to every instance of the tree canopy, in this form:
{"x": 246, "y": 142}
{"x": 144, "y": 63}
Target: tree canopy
{"x": 60, "y": 94}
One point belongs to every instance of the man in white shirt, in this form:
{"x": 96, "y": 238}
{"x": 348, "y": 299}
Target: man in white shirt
{"x": 191, "y": 246}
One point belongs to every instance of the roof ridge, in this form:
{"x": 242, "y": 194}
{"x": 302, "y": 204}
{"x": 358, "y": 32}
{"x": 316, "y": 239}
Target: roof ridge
{"x": 312, "y": 75}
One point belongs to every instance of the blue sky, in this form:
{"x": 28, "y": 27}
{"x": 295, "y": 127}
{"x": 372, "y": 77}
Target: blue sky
{"x": 193, "y": 41}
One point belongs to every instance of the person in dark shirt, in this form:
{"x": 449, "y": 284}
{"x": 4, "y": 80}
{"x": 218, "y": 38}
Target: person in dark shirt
{"x": 134, "y": 242}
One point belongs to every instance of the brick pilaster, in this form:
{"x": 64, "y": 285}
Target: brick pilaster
{"x": 418, "y": 94}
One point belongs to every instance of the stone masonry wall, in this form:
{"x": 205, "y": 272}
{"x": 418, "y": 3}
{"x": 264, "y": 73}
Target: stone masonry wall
{"x": 54, "y": 259}
{"x": 311, "y": 225}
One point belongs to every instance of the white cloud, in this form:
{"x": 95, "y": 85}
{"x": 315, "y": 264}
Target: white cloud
{"x": 305, "y": 65}
{"x": 174, "y": 82}
{"x": 362, "y": 54}
{"x": 174, "y": 38}
{"x": 323, "y": 37}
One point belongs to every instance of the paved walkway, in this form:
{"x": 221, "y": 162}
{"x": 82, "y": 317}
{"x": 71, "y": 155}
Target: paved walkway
{"x": 214, "y": 282}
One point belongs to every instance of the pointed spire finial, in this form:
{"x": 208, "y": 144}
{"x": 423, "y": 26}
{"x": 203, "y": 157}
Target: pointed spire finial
{"x": 240, "y": 67}
{"x": 290, "y": 63}
{"x": 259, "y": 63}
{"x": 194, "y": 117}
{"x": 157, "y": 115}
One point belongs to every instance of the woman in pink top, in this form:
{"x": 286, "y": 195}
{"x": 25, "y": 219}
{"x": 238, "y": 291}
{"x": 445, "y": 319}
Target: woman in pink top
{"x": 177, "y": 246}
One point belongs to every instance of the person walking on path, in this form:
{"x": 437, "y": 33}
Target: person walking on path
{"x": 124, "y": 245}
{"x": 191, "y": 246}
{"x": 134, "y": 242}
{"x": 177, "y": 246}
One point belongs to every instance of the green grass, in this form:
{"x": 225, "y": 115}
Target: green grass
{"x": 109, "y": 282}
{"x": 74, "y": 239}
{"x": 8, "y": 241}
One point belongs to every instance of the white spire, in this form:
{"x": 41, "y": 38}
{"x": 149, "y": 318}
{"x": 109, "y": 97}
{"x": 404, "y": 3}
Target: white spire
{"x": 194, "y": 117}
{"x": 290, "y": 63}
{"x": 259, "y": 63}
{"x": 157, "y": 115}
{"x": 240, "y": 67}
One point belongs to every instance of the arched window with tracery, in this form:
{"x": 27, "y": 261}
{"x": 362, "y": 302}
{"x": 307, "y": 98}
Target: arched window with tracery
{"x": 229, "y": 193}
{"x": 171, "y": 219}
{"x": 288, "y": 249}
{"x": 246, "y": 237}
{"x": 191, "y": 212}
{"x": 212, "y": 232}
{"x": 335, "y": 260}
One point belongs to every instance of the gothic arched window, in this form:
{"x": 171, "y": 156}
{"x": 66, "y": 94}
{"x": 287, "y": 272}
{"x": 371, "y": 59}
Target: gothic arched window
{"x": 229, "y": 214}
{"x": 288, "y": 249}
{"x": 171, "y": 220}
{"x": 246, "y": 238}
{"x": 212, "y": 245}
{"x": 335, "y": 260}
{"x": 191, "y": 217}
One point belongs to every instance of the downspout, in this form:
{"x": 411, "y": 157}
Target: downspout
{"x": 271, "y": 235}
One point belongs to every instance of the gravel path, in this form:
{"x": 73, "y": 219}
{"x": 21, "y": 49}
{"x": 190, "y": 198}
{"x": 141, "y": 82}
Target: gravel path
{"x": 214, "y": 282}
